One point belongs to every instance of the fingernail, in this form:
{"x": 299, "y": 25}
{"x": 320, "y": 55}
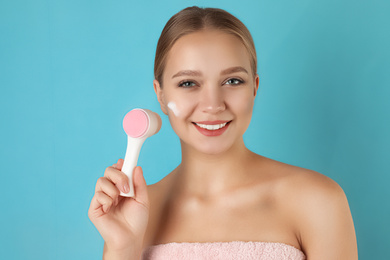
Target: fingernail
{"x": 126, "y": 188}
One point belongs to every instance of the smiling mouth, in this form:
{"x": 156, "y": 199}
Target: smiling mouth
{"x": 212, "y": 126}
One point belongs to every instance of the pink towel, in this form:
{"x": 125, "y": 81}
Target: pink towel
{"x": 224, "y": 251}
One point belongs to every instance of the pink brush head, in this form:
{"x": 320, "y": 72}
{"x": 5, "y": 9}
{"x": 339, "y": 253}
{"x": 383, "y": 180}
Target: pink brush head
{"x": 140, "y": 123}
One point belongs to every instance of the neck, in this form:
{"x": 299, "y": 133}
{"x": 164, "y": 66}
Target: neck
{"x": 205, "y": 175}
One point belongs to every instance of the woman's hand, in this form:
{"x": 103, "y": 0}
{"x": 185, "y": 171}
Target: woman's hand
{"x": 121, "y": 221}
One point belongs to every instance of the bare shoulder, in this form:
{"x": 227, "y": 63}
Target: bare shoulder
{"x": 300, "y": 182}
{"x": 319, "y": 209}
{"x": 314, "y": 193}
{"x": 304, "y": 182}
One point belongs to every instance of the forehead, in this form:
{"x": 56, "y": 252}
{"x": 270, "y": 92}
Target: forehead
{"x": 208, "y": 51}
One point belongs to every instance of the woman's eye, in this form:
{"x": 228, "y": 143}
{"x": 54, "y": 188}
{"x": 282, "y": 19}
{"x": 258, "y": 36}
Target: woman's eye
{"x": 187, "y": 84}
{"x": 233, "y": 81}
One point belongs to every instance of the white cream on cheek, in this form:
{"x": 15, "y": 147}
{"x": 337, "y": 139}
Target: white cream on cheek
{"x": 173, "y": 107}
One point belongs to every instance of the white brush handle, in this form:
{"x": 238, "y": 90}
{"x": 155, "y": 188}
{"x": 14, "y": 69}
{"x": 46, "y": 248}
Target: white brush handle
{"x": 132, "y": 152}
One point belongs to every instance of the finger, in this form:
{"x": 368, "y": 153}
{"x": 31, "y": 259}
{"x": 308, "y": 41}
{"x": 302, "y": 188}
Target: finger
{"x": 105, "y": 185}
{"x": 140, "y": 187}
{"x": 104, "y": 201}
{"x": 119, "y": 164}
{"x": 95, "y": 209}
{"x": 118, "y": 178}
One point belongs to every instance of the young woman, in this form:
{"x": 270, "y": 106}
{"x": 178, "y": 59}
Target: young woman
{"x": 223, "y": 201}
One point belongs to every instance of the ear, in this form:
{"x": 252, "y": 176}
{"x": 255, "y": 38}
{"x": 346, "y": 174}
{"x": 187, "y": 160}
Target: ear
{"x": 257, "y": 82}
{"x": 160, "y": 96}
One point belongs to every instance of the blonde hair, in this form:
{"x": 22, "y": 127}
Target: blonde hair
{"x": 193, "y": 19}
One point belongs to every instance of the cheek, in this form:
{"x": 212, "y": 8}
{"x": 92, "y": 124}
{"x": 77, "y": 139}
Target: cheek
{"x": 241, "y": 103}
{"x": 180, "y": 107}
{"x": 173, "y": 107}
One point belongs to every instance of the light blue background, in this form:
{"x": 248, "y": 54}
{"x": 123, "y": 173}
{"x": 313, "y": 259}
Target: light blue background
{"x": 70, "y": 70}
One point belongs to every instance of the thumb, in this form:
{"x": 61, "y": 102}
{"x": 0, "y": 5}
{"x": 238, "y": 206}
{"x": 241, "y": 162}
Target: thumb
{"x": 140, "y": 187}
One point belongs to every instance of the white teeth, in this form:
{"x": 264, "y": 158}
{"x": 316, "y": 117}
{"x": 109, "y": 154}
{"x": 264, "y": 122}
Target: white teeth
{"x": 211, "y": 127}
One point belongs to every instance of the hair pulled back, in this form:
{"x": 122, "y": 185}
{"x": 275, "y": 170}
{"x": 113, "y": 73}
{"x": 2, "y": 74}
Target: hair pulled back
{"x": 193, "y": 19}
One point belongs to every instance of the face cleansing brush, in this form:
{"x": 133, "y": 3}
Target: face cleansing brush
{"x": 138, "y": 124}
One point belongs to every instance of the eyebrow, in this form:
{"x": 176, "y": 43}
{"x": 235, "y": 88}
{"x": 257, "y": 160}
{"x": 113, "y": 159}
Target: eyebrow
{"x": 234, "y": 70}
{"x": 193, "y": 73}
{"x": 197, "y": 73}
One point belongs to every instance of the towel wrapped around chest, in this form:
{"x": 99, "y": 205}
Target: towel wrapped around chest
{"x": 223, "y": 250}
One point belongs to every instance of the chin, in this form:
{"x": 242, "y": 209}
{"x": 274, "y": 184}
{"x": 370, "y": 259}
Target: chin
{"x": 213, "y": 151}
{"x": 210, "y": 145}
{"x": 211, "y": 148}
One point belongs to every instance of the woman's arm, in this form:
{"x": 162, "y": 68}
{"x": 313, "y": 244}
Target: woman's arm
{"x": 326, "y": 225}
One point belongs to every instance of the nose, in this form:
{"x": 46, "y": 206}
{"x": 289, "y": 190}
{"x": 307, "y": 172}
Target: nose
{"x": 212, "y": 100}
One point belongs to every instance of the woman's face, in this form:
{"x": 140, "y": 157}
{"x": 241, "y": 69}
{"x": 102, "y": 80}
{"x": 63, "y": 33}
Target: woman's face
{"x": 208, "y": 90}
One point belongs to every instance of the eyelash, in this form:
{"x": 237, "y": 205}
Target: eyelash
{"x": 236, "y": 80}
{"x": 181, "y": 84}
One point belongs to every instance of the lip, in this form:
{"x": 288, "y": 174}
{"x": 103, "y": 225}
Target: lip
{"x": 212, "y": 133}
